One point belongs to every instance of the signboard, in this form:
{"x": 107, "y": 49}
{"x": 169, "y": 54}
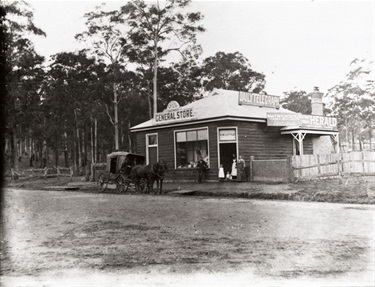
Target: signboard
{"x": 283, "y": 119}
{"x": 321, "y": 122}
{"x": 173, "y": 112}
{"x": 304, "y": 121}
{"x": 227, "y": 134}
{"x": 259, "y": 100}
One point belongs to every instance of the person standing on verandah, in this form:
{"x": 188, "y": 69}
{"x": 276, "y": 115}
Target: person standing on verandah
{"x": 241, "y": 169}
{"x": 201, "y": 167}
{"x": 234, "y": 168}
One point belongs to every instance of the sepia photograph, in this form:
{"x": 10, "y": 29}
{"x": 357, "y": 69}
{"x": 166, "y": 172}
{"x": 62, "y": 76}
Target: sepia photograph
{"x": 187, "y": 143}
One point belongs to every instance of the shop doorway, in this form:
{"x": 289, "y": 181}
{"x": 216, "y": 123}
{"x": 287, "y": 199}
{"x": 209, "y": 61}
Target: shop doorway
{"x": 227, "y": 151}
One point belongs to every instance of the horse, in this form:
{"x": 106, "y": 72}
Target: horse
{"x": 152, "y": 173}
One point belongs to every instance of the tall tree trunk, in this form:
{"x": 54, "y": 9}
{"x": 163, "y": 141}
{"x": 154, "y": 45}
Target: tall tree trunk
{"x": 353, "y": 141}
{"x": 41, "y": 155}
{"x": 66, "y": 149}
{"x": 370, "y": 136}
{"x": 77, "y": 153}
{"x": 121, "y": 130}
{"x": 149, "y": 105}
{"x": 96, "y": 150}
{"x": 92, "y": 143}
{"x": 79, "y": 148}
{"x": 13, "y": 149}
{"x": 129, "y": 138}
{"x": 57, "y": 156}
{"x": 115, "y": 122}
{"x": 155, "y": 79}
{"x": 85, "y": 145}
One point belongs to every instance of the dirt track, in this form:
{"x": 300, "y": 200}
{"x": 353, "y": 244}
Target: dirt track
{"x": 61, "y": 238}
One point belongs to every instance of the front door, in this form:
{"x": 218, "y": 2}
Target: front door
{"x": 227, "y": 140}
{"x": 228, "y": 151}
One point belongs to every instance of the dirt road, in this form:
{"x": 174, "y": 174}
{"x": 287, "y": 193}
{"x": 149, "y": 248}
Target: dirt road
{"x": 60, "y": 238}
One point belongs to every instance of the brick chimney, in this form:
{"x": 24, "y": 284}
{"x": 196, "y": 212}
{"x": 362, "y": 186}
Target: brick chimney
{"x": 316, "y": 102}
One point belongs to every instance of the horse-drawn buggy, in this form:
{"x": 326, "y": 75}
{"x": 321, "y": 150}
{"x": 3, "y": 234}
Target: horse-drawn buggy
{"x": 127, "y": 169}
{"x": 118, "y": 171}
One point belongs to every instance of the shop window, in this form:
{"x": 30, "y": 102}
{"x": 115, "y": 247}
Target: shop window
{"x": 152, "y": 148}
{"x": 191, "y": 146}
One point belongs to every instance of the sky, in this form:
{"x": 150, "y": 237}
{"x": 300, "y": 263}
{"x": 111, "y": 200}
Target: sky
{"x": 297, "y": 44}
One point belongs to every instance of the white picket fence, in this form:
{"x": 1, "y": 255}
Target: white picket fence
{"x": 306, "y": 167}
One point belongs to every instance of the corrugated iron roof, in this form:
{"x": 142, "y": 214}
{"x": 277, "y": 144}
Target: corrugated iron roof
{"x": 219, "y": 104}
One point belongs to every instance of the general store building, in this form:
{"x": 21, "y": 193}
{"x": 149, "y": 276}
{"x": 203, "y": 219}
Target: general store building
{"x": 227, "y": 124}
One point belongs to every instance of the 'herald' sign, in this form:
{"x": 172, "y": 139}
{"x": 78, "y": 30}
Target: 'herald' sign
{"x": 303, "y": 121}
{"x": 318, "y": 122}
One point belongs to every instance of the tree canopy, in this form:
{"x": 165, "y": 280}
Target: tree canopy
{"x": 231, "y": 71}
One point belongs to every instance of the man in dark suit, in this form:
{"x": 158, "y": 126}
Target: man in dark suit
{"x": 201, "y": 167}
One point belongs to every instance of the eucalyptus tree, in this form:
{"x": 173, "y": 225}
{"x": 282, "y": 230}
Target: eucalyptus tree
{"x": 353, "y": 101}
{"x": 181, "y": 81}
{"x": 109, "y": 42}
{"x": 157, "y": 30}
{"x": 71, "y": 93}
{"x": 231, "y": 71}
{"x": 23, "y": 71}
{"x": 3, "y": 91}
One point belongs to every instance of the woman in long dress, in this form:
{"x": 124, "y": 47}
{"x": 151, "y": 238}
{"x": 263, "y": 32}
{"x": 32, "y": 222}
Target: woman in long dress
{"x": 234, "y": 169}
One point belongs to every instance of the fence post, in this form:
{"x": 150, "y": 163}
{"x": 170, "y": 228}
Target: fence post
{"x": 45, "y": 172}
{"x": 363, "y": 162}
{"x": 289, "y": 166}
{"x": 340, "y": 167}
{"x": 58, "y": 172}
{"x": 71, "y": 173}
{"x": 12, "y": 173}
{"x": 92, "y": 172}
{"x": 318, "y": 163}
{"x": 251, "y": 168}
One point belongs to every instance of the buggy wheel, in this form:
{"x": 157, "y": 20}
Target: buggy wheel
{"x": 120, "y": 183}
{"x": 142, "y": 184}
{"x": 102, "y": 182}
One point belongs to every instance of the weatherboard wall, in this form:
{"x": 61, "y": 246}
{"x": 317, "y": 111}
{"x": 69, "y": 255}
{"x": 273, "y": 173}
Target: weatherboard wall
{"x": 254, "y": 139}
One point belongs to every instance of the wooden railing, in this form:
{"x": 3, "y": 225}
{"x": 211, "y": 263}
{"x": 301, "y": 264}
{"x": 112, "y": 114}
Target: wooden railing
{"x": 332, "y": 165}
{"x": 42, "y": 172}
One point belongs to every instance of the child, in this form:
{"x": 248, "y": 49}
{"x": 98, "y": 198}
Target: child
{"x": 221, "y": 173}
{"x": 229, "y": 177}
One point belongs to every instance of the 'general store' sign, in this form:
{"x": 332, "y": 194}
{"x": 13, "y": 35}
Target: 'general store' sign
{"x": 252, "y": 99}
{"x": 173, "y": 112}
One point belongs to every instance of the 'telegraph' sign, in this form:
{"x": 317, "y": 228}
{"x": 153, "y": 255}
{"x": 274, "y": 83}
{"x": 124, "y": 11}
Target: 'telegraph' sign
{"x": 252, "y": 99}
